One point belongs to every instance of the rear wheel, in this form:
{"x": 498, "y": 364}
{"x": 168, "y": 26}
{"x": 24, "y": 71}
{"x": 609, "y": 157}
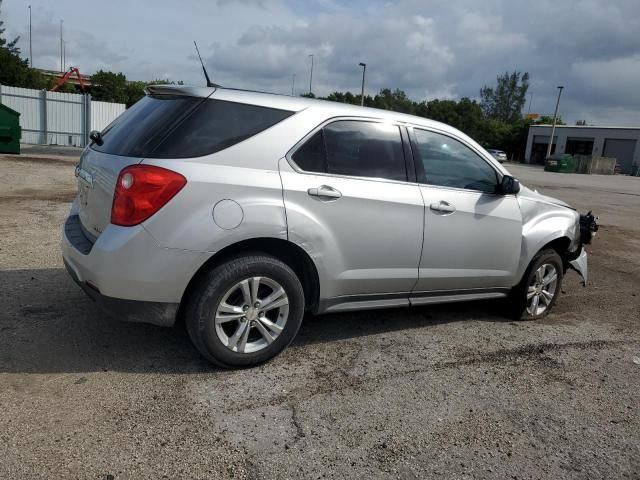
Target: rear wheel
{"x": 538, "y": 291}
{"x": 245, "y": 311}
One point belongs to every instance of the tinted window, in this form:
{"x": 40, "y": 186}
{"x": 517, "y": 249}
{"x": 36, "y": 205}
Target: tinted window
{"x": 450, "y": 163}
{"x": 312, "y": 156}
{"x": 139, "y": 129}
{"x": 180, "y": 127}
{"x": 365, "y": 149}
{"x": 355, "y": 148}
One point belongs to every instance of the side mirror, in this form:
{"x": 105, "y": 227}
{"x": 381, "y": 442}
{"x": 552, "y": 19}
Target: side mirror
{"x": 96, "y": 137}
{"x": 509, "y": 185}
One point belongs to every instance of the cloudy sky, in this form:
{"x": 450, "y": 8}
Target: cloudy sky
{"x": 429, "y": 48}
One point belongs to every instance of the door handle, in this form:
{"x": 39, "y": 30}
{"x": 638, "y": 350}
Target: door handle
{"x": 443, "y": 207}
{"x": 324, "y": 191}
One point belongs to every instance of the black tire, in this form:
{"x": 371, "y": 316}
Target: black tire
{"x": 210, "y": 290}
{"x": 518, "y": 302}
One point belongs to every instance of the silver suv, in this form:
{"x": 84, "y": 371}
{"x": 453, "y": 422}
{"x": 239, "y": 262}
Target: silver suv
{"x": 238, "y": 211}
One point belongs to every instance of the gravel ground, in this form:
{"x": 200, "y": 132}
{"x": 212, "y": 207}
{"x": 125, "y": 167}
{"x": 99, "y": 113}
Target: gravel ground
{"x": 450, "y": 391}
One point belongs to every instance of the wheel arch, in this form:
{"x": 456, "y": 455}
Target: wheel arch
{"x": 558, "y": 242}
{"x": 288, "y": 252}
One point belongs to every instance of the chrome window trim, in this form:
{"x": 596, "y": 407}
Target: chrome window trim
{"x": 466, "y": 190}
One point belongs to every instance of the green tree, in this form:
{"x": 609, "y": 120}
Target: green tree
{"x": 504, "y": 102}
{"x": 109, "y": 87}
{"x": 15, "y": 71}
{"x": 395, "y": 100}
{"x": 444, "y": 111}
{"x": 134, "y": 91}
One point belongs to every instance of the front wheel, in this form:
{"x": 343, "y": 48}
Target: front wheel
{"x": 538, "y": 291}
{"x": 245, "y": 311}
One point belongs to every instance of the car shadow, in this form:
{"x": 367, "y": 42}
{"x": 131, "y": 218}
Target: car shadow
{"x": 48, "y": 325}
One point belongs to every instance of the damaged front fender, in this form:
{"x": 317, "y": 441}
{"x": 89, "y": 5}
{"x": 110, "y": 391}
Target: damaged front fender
{"x": 588, "y": 229}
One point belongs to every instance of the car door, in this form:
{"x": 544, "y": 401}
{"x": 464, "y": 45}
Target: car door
{"x": 351, "y": 206}
{"x": 472, "y": 233}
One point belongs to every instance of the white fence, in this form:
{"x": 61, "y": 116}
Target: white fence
{"x": 56, "y": 118}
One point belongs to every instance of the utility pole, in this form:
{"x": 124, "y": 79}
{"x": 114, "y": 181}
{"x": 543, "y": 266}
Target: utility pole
{"x": 293, "y": 83}
{"x": 311, "y": 76}
{"x": 553, "y": 128}
{"x": 64, "y": 56}
{"x": 30, "y": 44}
{"x": 61, "y": 47}
{"x": 364, "y": 70}
{"x": 530, "y": 101}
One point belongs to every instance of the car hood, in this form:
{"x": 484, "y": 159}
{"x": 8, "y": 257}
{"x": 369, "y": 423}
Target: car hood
{"x": 529, "y": 194}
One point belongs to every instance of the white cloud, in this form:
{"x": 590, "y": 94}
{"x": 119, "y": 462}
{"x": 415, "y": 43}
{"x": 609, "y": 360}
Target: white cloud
{"x": 430, "y": 49}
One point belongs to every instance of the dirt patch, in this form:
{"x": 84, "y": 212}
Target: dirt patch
{"x": 28, "y": 194}
{"x": 42, "y": 160}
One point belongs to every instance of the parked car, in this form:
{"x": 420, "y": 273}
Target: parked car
{"x": 498, "y": 155}
{"x": 239, "y": 211}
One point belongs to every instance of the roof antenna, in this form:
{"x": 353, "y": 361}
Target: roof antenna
{"x": 206, "y": 75}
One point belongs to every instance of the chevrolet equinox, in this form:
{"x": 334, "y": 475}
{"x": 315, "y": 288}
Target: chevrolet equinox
{"x": 239, "y": 211}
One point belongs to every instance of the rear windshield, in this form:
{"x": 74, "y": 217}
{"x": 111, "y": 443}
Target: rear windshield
{"x": 166, "y": 126}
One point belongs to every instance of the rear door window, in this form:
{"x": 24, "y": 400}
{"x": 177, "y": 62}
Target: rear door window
{"x": 355, "y": 148}
{"x": 166, "y": 126}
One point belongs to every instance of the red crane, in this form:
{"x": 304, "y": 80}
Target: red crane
{"x": 62, "y": 80}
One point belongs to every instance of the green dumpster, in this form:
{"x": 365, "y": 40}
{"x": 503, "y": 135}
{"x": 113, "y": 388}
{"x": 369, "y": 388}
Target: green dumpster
{"x": 560, "y": 162}
{"x": 10, "y": 131}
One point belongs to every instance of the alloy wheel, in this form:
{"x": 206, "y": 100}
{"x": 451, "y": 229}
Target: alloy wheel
{"x": 542, "y": 289}
{"x": 251, "y": 314}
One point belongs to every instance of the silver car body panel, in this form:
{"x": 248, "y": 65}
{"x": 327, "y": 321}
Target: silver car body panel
{"x": 127, "y": 263}
{"x": 378, "y": 245}
{"x": 368, "y": 241}
{"x": 466, "y": 248}
{"x": 97, "y": 174}
{"x": 542, "y": 223}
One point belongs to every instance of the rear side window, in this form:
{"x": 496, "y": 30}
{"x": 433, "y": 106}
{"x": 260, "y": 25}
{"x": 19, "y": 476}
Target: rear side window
{"x": 354, "y": 148}
{"x": 312, "y": 156}
{"x": 181, "y": 127}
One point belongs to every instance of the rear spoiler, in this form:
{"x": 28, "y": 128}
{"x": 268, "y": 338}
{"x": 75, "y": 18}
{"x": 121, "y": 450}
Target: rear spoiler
{"x": 181, "y": 90}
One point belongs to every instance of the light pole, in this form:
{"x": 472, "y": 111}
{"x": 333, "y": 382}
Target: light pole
{"x": 30, "y": 49}
{"x": 311, "y": 76}
{"x": 364, "y": 70}
{"x": 61, "y": 53}
{"x": 293, "y": 83}
{"x": 553, "y": 128}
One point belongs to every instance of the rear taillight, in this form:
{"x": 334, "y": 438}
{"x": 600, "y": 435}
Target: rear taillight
{"x": 142, "y": 190}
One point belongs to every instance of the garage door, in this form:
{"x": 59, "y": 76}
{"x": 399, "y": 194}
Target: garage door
{"x": 622, "y": 150}
{"x": 539, "y": 148}
{"x": 579, "y": 146}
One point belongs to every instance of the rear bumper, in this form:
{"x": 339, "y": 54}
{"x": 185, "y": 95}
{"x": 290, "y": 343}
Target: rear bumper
{"x": 156, "y": 313}
{"x": 127, "y": 273}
